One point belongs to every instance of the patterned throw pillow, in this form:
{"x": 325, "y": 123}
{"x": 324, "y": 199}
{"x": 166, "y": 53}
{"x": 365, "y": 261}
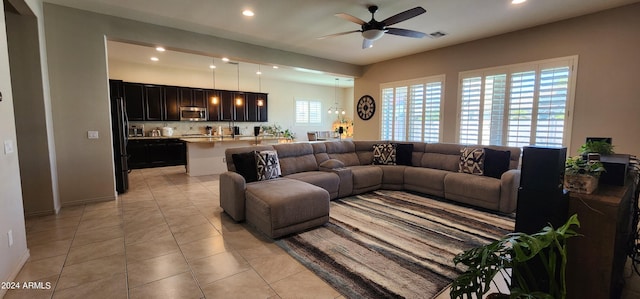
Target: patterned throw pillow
{"x": 472, "y": 160}
{"x": 267, "y": 165}
{"x": 384, "y": 154}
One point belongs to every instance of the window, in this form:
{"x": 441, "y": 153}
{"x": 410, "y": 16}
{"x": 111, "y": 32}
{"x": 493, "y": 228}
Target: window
{"x": 411, "y": 110}
{"x": 308, "y": 112}
{"x": 518, "y": 105}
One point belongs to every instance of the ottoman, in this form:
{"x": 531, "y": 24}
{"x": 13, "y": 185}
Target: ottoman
{"x": 284, "y": 206}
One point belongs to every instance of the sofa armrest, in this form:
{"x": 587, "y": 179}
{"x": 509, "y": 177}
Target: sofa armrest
{"x": 232, "y": 194}
{"x": 345, "y": 188}
{"x": 331, "y": 164}
{"x": 509, "y": 184}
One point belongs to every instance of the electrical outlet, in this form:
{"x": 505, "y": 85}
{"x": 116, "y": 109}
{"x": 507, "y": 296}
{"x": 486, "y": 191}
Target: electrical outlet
{"x": 92, "y": 134}
{"x": 10, "y": 237}
{"x": 224, "y": 160}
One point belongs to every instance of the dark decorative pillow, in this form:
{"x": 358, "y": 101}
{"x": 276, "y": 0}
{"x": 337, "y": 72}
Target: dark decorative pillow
{"x": 496, "y": 162}
{"x": 471, "y": 160}
{"x": 267, "y": 165}
{"x": 404, "y": 153}
{"x": 245, "y": 164}
{"x": 384, "y": 154}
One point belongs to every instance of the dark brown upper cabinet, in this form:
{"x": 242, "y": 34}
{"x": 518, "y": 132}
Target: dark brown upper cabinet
{"x": 172, "y": 103}
{"x": 154, "y": 102}
{"x": 134, "y": 101}
{"x": 239, "y": 106}
{"x": 256, "y": 106}
{"x": 214, "y": 105}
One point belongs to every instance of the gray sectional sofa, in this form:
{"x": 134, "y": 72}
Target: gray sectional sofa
{"x": 318, "y": 172}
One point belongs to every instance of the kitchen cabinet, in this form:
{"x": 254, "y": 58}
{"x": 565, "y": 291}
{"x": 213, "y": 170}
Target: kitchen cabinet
{"x": 133, "y": 94}
{"x": 147, "y": 153}
{"x": 154, "y": 102}
{"x": 239, "y": 106}
{"x": 213, "y": 107}
{"x": 226, "y": 104}
{"x": 256, "y": 107}
{"x": 192, "y": 97}
{"x": 171, "y": 103}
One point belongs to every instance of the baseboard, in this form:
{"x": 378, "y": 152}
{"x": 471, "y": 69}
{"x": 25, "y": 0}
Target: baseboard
{"x": 14, "y": 273}
{"x": 88, "y": 201}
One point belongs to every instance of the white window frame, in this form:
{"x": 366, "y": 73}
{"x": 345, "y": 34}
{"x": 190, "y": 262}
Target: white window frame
{"x": 402, "y": 133}
{"x": 308, "y": 103}
{"x": 537, "y": 66}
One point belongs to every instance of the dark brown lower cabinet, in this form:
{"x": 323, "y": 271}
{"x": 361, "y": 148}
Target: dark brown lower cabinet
{"x": 148, "y": 153}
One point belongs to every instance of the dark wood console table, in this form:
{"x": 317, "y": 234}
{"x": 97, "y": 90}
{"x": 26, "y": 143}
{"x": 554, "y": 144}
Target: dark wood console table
{"x": 596, "y": 260}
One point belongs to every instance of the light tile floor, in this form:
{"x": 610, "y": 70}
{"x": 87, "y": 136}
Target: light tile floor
{"x": 167, "y": 238}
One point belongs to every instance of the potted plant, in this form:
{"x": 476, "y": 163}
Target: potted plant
{"x": 592, "y": 149}
{"x": 582, "y": 176}
{"x": 511, "y": 257}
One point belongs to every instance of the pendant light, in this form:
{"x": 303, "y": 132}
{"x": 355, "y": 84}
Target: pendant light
{"x": 238, "y": 98}
{"x": 335, "y": 108}
{"x": 260, "y": 101}
{"x": 214, "y": 98}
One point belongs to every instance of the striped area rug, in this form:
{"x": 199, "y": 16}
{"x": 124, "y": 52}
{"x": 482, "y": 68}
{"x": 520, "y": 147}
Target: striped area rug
{"x": 393, "y": 244}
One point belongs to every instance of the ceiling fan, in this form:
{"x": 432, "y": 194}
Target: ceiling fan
{"x": 374, "y": 30}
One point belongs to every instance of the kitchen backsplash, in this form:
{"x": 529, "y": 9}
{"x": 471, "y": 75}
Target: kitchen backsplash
{"x": 184, "y": 127}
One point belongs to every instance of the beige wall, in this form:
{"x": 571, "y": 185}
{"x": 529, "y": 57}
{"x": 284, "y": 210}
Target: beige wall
{"x": 11, "y": 215}
{"x": 607, "y": 98}
{"x": 30, "y": 113}
{"x": 79, "y": 87}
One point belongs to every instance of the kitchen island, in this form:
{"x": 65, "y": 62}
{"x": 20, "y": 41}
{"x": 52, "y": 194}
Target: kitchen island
{"x": 205, "y": 154}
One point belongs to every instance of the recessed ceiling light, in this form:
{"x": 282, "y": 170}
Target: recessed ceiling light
{"x": 212, "y": 66}
{"x": 225, "y": 59}
{"x": 275, "y": 67}
{"x": 154, "y": 59}
{"x": 248, "y": 13}
{"x": 160, "y": 49}
{"x": 518, "y": 1}
{"x": 258, "y": 73}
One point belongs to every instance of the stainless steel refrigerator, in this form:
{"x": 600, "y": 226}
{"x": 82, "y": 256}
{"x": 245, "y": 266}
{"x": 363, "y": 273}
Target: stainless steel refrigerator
{"x": 120, "y": 131}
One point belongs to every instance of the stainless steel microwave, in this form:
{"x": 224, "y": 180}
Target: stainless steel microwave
{"x": 193, "y": 113}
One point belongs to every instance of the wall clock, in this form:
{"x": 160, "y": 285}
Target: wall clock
{"x": 366, "y": 107}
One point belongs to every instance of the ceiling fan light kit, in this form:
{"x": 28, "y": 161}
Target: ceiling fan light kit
{"x": 374, "y": 30}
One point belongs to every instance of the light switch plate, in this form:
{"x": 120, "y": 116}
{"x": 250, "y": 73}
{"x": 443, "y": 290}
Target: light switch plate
{"x": 8, "y": 147}
{"x": 92, "y": 134}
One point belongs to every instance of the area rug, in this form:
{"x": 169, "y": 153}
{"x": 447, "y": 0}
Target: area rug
{"x": 393, "y": 244}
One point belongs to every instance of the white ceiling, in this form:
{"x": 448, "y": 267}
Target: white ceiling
{"x": 294, "y": 25}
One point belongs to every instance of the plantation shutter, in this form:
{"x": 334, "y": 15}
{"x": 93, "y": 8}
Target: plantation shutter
{"x": 411, "y": 110}
{"x": 517, "y": 105}
{"x": 302, "y": 114}
{"x": 315, "y": 112}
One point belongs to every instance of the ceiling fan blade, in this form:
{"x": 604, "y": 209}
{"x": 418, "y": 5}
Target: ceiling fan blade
{"x": 350, "y": 18}
{"x": 338, "y": 34}
{"x": 403, "y": 16}
{"x": 406, "y": 32}
{"x": 367, "y": 43}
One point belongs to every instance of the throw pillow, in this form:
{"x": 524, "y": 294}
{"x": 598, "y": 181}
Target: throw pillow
{"x": 404, "y": 153}
{"x": 267, "y": 165}
{"x": 471, "y": 160}
{"x": 384, "y": 154}
{"x": 245, "y": 164}
{"x": 331, "y": 164}
{"x": 496, "y": 162}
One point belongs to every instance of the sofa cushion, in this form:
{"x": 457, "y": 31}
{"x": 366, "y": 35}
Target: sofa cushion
{"x": 329, "y": 181}
{"x": 472, "y": 161}
{"x": 364, "y": 150}
{"x": 343, "y": 151}
{"x": 496, "y": 162}
{"x": 481, "y": 191}
{"x": 425, "y": 180}
{"x": 245, "y": 164}
{"x": 392, "y": 176}
{"x": 384, "y": 154}
{"x": 366, "y": 178}
{"x": 296, "y": 157}
{"x": 445, "y": 156}
{"x": 404, "y": 153}
{"x": 267, "y": 165}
